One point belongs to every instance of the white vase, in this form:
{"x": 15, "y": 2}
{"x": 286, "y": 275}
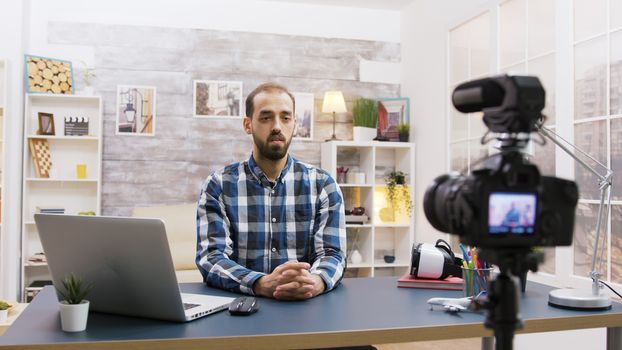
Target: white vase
{"x": 73, "y": 317}
{"x": 4, "y": 316}
{"x": 356, "y": 257}
{"x": 361, "y": 134}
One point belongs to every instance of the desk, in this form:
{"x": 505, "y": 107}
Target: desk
{"x": 361, "y": 311}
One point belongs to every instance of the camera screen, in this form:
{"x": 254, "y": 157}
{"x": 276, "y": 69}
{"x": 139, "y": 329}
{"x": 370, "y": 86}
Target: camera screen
{"x": 513, "y": 213}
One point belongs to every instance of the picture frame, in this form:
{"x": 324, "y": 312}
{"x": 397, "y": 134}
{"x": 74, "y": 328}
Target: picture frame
{"x": 48, "y": 75}
{"x": 391, "y": 113}
{"x": 136, "y": 110}
{"x": 217, "y": 99}
{"x": 46, "y": 124}
{"x": 304, "y": 110}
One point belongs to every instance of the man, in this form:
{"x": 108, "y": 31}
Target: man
{"x": 271, "y": 225}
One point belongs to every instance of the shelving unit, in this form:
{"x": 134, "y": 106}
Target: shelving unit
{"x": 3, "y": 91}
{"x": 388, "y": 232}
{"x": 63, "y": 188}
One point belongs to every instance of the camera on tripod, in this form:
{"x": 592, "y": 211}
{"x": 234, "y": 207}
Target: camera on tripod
{"x": 505, "y": 202}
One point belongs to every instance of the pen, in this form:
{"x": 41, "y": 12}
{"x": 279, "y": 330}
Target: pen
{"x": 464, "y": 253}
{"x": 474, "y": 257}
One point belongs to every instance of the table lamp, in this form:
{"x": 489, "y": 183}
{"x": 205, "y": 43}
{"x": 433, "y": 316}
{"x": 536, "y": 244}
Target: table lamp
{"x": 333, "y": 103}
{"x": 578, "y": 298}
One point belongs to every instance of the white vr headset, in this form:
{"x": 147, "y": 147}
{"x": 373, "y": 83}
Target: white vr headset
{"x": 434, "y": 261}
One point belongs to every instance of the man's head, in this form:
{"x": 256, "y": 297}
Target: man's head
{"x": 270, "y": 119}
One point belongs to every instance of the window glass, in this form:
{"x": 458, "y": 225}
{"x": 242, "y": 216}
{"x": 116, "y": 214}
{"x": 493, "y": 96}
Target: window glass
{"x": 589, "y": 18}
{"x": 478, "y": 152}
{"x": 459, "y": 124}
{"x": 616, "y": 158}
{"x": 459, "y": 54}
{"x": 590, "y": 94}
{"x": 615, "y": 13}
{"x": 591, "y": 138}
{"x": 459, "y": 156}
{"x": 480, "y": 45}
{"x": 548, "y": 265}
{"x": 512, "y": 32}
{"x": 544, "y": 156}
{"x": 541, "y": 35}
{"x": 616, "y": 240}
{"x": 583, "y": 242}
{"x": 615, "y": 74}
{"x": 544, "y": 68}
{"x": 477, "y": 128}
{"x": 516, "y": 69}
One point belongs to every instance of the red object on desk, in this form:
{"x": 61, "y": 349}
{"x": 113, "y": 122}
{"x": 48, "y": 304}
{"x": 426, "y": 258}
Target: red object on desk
{"x": 449, "y": 283}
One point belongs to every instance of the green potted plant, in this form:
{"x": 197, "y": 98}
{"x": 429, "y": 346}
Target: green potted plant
{"x": 4, "y": 311}
{"x": 74, "y": 309}
{"x": 364, "y": 119}
{"x": 87, "y": 76}
{"x": 397, "y": 192}
{"x": 403, "y": 131}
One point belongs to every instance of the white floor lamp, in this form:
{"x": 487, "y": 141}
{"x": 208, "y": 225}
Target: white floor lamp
{"x": 580, "y": 298}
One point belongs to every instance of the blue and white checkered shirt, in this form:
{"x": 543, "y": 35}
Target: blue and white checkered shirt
{"x": 248, "y": 225}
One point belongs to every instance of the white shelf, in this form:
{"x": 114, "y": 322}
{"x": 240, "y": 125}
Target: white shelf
{"x": 61, "y": 137}
{"x": 43, "y": 179}
{"x": 375, "y": 238}
{"x": 63, "y": 188}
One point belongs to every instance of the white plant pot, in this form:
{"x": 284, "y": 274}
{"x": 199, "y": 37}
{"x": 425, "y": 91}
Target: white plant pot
{"x": 86, "y": 91}
{"x": 356, "y": 257}
{"x": 4, "y": 316}
{"x": 73, "y": 317}
{"x": 361, "y": 134}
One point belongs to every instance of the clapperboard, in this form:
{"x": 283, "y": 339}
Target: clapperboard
{"x": 76, "y": 126}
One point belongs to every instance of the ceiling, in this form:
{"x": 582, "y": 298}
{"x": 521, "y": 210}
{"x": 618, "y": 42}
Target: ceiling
{"x": 395, "y": 5}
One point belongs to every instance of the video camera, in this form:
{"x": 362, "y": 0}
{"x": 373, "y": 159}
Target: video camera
{"x": 505, "y": 202}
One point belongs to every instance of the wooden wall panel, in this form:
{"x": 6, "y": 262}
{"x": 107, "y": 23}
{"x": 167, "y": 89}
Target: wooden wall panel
{"x": 170, "y": 167}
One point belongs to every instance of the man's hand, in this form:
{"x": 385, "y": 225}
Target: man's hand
{"x": 290, "y": 281}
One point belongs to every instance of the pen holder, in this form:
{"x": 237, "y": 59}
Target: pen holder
{"x": 475, "y": 280}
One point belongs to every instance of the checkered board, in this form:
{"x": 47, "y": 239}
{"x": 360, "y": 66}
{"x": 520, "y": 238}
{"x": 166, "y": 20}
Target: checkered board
{"x": 40, "y": 152}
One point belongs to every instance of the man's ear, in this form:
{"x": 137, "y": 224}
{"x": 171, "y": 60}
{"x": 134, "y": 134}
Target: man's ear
{"x": 247, "y": 125}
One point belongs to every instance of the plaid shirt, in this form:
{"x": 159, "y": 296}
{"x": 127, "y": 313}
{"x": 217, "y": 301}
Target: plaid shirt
{"x": 248, "y": 225}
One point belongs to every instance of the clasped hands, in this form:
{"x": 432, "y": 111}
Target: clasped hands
{"x": 290, "y": 281}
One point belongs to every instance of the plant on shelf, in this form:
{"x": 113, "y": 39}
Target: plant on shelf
{"x": 397, "y": 192}
{"x": 87, "y": 75}
{"x": 74, "y": 309}
{"x": 403, "y": 131}
{"x": 364, "y": 119}
{"x": 4, "y": 311}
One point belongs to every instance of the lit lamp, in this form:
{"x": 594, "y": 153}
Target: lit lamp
{"x": 333, "y": 103}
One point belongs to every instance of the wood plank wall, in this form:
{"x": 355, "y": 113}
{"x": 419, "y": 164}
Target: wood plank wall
{"x": 170, "y": 167}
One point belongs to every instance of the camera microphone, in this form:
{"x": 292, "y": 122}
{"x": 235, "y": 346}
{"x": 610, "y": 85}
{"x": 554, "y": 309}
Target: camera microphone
{"x": 473, "y": 96}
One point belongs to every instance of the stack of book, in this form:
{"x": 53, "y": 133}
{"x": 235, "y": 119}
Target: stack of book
{"x": 449, "y": 283}
{"x": 50, "y": 210}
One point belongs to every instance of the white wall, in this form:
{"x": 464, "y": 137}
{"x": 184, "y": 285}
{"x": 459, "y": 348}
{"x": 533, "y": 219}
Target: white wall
{"x": 425, "y": 25}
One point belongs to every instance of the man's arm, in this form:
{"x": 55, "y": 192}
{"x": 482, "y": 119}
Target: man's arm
{"x": 214, "y": 244}
{"x": 329, "y": 236}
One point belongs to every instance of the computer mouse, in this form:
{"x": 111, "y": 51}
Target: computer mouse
{"x": 244, "y": 306}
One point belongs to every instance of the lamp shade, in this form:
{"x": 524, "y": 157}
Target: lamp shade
{"x": 333, "y": 102}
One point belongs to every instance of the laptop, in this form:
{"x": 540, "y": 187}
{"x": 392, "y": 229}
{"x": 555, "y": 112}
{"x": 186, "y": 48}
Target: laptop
{"x": 127, "y": 260}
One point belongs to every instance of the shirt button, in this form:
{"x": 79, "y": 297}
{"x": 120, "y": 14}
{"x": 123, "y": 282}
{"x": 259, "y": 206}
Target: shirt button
{"x": 273, "y": 191}
{"x": 274, "y": 250}
{"x": 273, "y": 219}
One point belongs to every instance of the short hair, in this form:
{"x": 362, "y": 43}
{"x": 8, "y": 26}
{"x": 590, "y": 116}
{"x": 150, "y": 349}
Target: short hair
{"x": 265, "y": 87}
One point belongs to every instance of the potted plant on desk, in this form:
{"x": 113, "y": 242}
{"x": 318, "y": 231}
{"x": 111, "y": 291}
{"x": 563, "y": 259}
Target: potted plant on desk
{"x": 74, "y": 309}
{"x": 403, "y": 131}
{"x": 4, "y": 311}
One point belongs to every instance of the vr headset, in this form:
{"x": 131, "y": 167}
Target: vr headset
{"x": 434, "y": 261}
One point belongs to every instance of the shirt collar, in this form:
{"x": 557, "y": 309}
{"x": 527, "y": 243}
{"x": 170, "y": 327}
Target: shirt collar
{"x": 261, "y": 176}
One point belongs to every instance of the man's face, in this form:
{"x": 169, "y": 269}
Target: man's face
{"x": 272, "y": 124}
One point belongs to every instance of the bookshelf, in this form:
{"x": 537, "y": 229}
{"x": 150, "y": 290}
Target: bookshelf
{"x": 63, "y": 188}
{"x": 388, "y": 232}
{"x": 3, "y": 100}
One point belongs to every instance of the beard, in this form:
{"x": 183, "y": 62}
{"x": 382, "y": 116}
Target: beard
{"x": 274, "y": 151}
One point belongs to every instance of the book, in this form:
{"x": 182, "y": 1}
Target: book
{"x": 449, "y": 283}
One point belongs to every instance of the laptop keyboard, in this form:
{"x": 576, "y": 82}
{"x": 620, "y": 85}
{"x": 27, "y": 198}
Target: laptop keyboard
{"x": 188, "y": 306}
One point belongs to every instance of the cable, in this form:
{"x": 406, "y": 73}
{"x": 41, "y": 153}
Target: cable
{"x": 608, "y": 286}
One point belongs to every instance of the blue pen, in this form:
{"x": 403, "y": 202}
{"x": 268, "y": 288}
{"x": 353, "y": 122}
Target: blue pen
{"x": 464, "y": 254}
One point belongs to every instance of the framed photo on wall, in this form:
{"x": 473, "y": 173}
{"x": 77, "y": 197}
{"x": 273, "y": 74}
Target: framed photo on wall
{"x": 217, "y": 99}
{"x": 48, "y": 75}
{"x": 305, "y": 103}
{"x": 46, "y": 124}
{"x": 136, "y": 110}
{"x": 391, "y": 113}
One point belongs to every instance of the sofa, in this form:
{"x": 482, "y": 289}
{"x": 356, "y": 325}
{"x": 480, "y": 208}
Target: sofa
{"x": 180, "y": 223}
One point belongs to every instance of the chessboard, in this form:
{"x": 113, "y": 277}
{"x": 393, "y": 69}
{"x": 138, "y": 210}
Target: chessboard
{"x": 40, "y": 152}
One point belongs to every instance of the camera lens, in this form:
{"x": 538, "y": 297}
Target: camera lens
{"x": 438, "y": 198}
